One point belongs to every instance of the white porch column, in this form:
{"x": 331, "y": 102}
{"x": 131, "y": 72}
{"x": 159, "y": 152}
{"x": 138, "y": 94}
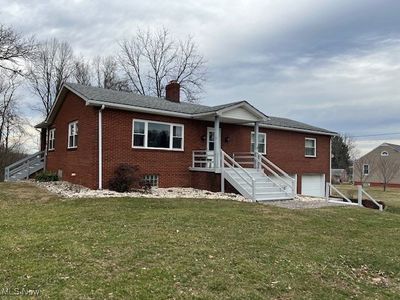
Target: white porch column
{"x": 217, "y": 143}
{"x": 256, "y": 131}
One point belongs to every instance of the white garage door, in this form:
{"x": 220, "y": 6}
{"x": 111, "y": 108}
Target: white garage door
{"x": 313, "y": 185}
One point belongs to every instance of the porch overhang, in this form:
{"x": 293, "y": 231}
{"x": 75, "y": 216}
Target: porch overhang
{"x": 239, "y": 113}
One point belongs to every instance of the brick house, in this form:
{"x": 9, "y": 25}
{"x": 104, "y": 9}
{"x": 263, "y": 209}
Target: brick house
{"x": 90, "y": 131}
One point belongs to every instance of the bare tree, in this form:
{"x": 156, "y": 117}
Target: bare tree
{"x": 12, "y": 130}
{"x": 82, "y": 71}
{"x": 49, "y": 69}
{"x": 151, "y": 59}
{"x": 358, "y": 169}
{"x": 387, "y": 169}
{"x": 14, "y": 48}
{"x": 107, "y": 75}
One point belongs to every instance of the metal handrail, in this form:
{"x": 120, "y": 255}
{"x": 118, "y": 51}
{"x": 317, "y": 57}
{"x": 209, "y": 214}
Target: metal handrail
{"x": 275, "y": 166}
{"x": 22, "y": 164}
{"x": 25, "y": 159}
{"x": 380, "y": 206}
{"x": 260, "y": 161}
{"x": 224, "y": 155}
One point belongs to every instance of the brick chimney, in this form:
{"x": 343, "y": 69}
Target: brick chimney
{"x": 172, "y": 91}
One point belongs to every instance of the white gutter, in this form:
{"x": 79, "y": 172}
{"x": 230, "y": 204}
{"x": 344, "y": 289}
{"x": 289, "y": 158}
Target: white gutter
{"x": 101, "y": 147}
{"x": 298, "y": 130}
{"x": 139, "y": 109}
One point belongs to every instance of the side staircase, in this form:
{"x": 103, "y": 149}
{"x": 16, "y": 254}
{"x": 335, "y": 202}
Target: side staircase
{"x": 263, "y": 181}
{"x": 25, "y": 167}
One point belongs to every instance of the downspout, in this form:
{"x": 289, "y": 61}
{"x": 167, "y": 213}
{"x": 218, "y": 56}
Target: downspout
{"x": 46, "y": 149}
{"x": 101, "y": 147}
{"x": 330, "y": 160}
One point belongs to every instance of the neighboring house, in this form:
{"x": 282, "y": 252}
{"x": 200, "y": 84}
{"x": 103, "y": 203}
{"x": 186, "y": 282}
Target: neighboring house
{"x": 90, "y": 131}
{"x": 339, "y": 176}
{"x": 379, "y": 166}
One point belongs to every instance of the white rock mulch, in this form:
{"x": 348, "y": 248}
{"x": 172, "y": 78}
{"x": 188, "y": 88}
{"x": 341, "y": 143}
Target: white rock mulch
{"x": 69, "y": 190}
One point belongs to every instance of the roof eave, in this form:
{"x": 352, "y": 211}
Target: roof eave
{"x": 299, "y": 130}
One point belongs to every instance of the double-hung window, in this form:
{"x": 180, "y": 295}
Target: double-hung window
{"x": 52, "y": 139}
{"x": 310, "y": 147}
{"x": 262, "y": 142}
{"x": 365, "y": 169}
{"x": 73, "y": 135}
{"x": 157, "y": 135}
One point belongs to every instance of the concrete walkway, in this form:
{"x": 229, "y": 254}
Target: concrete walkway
{"x": 303, "y": 202}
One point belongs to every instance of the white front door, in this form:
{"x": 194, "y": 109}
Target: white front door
{"x": 211, "y": 146}
{"x": 210, "y": 140}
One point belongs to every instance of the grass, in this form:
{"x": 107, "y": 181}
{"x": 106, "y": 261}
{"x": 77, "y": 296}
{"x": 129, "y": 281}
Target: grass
{"x": 197, "y": 249}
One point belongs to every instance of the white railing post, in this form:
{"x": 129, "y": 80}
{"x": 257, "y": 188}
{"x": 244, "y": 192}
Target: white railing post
{"x": 359, "y": 195}
{"x": 6, "y": 174}
{"x": 222, "y": 157}
{"x": 327, "y": 191}
{"x": 253, "y": 186}
{"x": 193, "y": 156}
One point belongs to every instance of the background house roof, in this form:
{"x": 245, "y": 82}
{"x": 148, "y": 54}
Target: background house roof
{"x": 393, "y": 146}
{"x": 106, "y": 96}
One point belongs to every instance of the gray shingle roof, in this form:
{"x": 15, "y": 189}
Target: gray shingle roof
{"x": 133, "y": 99}
{"x": 288, "y": 123}
{"x": 393, "y": 146}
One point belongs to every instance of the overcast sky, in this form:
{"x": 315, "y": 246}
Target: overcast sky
{"x": 333, "y": 63}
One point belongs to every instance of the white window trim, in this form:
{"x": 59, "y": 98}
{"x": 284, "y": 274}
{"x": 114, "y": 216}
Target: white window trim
{"x": 315, "y": 147}
{"x": 363, "y": 170}
{"x": 265, "y": 142}
{"x": 171, "y": 128}
{"x": 69, "y": 134}
{"x": 52, "y": 138}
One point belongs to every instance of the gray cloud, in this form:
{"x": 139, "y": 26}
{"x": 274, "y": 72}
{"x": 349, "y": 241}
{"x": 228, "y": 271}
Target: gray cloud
{"x": 334, "y": 64}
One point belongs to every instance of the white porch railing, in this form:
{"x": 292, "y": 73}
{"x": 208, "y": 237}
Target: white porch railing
{"x": 25, "y": 167}
{"x": 346, "y": 200}
{"x": 203, "y": 159}
{"x": 228, "y": 162}
{"x": 258, "y": 161}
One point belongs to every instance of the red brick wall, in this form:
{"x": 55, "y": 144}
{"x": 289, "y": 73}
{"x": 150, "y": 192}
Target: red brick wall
{"x": 379, "y": 184}
{"x": 284, "y": 148}
{"x": 82, "y": 161}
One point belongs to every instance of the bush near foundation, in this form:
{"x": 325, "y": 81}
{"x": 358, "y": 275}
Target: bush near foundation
{"x": 125, "y": 178}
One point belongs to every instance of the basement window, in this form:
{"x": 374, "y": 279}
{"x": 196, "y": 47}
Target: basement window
{"x": 310, "y": 147}
{"x": 73, "y": 135}
{"x": 152, "y": 180}
{"x": 157, "y": 135}
{"x": 52, "y": 139}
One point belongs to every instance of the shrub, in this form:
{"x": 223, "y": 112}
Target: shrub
{"x": 46, "y": 176}
{"x": 125, "y": 178}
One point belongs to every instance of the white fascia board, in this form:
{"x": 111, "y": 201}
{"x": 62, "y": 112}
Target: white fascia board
{"x": 56, "y": 102}
{"x": 248, "y": 106}
{"x": 139, "y": 109}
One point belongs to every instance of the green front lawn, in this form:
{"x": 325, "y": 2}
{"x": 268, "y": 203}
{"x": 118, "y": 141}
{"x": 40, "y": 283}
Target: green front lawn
{"x": 163, "y": 249}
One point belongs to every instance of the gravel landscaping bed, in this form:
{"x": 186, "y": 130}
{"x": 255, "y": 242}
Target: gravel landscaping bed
{"x": 302, "y": 202}
{"x": 69, "y": 190}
